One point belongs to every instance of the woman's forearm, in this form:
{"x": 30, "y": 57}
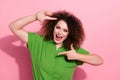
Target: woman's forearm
{"x": 21, "y": 22}
{"x": 17, "y": 27}
{"x": 91, "y": 59}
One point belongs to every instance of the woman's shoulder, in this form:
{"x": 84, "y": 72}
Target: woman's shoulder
{"x": 35, "y": 37}
{"x": 35, "y": 34}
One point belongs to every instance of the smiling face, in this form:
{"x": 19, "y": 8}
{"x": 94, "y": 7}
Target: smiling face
{"x": 60, "y": 32}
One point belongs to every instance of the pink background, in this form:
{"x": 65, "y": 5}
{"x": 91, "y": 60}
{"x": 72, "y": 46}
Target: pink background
{"x": 101, "y": 20}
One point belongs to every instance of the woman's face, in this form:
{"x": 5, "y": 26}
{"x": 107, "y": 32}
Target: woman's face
{"x": 60, "y": 32}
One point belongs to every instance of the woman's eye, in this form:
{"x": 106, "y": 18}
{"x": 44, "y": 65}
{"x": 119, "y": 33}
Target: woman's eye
{"x": 57, "y": 27}
{"x": 65, "y": 30}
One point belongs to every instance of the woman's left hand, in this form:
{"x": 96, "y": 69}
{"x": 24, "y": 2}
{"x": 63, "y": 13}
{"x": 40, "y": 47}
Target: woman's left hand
{"x": 45, "y": 15}
{"x": 71, "y": 54}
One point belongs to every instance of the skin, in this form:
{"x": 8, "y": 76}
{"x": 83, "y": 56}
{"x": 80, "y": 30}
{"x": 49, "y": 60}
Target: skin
{"x": 61, "y": 31}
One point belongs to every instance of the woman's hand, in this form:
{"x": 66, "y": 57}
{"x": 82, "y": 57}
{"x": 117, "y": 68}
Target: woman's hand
{"x": 93, "y": 59}
{"x": 71, "y": 55}
{"x": 45, "y": 15}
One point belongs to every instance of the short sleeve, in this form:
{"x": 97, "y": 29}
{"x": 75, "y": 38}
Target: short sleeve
{"x": 34, "y": 40}
{"x": 81, "y": 51}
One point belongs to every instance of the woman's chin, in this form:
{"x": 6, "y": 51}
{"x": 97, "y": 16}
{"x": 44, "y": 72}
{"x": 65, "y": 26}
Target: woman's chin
{"x": 57, "y": 42}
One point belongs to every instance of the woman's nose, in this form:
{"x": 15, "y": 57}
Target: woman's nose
{"x": 60, "y": 32}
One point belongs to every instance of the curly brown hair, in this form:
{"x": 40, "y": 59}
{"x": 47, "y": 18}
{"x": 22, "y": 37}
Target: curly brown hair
{"x": 76, "y": 33}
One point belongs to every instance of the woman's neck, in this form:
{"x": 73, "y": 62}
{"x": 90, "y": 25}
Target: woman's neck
{"x": 58, "y": 46}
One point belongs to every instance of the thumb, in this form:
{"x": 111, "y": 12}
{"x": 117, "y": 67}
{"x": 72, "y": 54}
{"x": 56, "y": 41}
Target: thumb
{"x": 71, "y": 47}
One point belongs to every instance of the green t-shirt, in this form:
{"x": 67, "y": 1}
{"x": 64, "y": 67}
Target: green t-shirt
{"x": 46, "y": 64}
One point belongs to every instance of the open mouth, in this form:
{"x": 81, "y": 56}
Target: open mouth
{"x": 58, "y": 37}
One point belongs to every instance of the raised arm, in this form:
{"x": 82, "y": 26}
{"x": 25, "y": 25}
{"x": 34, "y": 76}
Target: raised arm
{"x": 18, "y": 25}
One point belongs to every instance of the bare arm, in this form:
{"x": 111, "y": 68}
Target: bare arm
{"x": 93, "y": 59}
{"x": 18, "y": 25}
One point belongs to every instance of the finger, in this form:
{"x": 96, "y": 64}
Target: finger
{"x": 62, "y": 53}
{"x": 71, "y": 46}
{"x": 51, "y": 18}
{"x": 48, "y": 13}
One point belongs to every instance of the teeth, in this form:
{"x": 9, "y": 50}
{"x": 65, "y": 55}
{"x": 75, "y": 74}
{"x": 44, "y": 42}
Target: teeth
{"x": 58, "y": 36}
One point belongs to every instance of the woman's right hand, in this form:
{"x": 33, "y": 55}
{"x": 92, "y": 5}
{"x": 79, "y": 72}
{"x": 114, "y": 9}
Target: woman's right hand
{"x": 45, "y": 15}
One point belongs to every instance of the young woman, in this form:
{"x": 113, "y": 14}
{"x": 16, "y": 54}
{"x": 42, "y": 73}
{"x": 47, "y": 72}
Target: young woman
{"x": 56, "y": 51}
